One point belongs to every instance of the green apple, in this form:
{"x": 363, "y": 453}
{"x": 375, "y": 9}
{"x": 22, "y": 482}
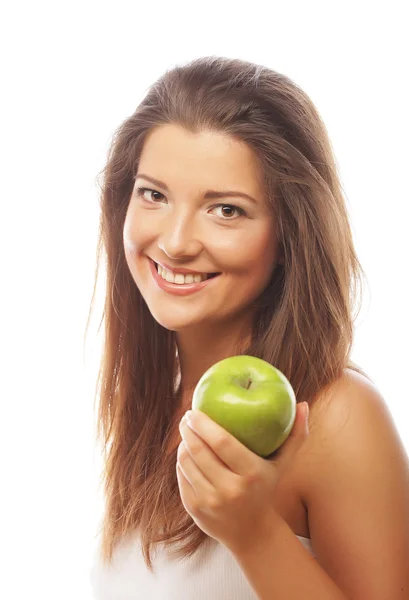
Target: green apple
{"x": 249, "y": 398}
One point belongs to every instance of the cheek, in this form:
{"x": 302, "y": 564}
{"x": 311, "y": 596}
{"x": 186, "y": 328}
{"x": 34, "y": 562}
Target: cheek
{"x": 256, "y": 259}
{"x": 128, "y": 234}
{"x": 135, "y": 234}
{"x": 134, "y": 240}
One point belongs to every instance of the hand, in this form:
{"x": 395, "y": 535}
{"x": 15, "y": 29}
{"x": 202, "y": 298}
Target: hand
{"x": 226, "y": 488}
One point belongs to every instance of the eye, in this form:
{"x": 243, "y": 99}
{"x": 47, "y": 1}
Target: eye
{"x": 229, "y": 212}
{"x": 140, "y": 191}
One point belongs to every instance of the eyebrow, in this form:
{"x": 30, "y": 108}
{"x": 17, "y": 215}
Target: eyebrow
{"x": 209, "y": 195}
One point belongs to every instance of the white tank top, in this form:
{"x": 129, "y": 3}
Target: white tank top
{"x": 210, "y": 574}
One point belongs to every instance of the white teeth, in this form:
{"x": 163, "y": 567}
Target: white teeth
{"x": 180, "y": 279}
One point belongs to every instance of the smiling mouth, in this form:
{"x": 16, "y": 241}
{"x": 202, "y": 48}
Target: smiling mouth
{"x": 183, "y": 279}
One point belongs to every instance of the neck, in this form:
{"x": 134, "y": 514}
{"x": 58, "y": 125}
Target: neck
{"x": 199, "y": 349}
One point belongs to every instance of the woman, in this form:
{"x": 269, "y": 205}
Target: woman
{"x": 226, "y": 232}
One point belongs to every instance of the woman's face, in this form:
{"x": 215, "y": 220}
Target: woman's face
{"x": 179, "y": 222}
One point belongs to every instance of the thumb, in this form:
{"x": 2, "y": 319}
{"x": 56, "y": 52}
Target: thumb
{"x": 300, "y": 428}
{"x": 297, "y": 436}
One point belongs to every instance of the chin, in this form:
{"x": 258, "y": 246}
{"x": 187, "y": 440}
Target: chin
{"x": 175, "y": 322}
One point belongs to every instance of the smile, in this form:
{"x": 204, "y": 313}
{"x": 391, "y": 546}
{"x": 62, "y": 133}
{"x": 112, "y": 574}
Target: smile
{"x": 181, "y": 278}
{"x": 180, "y": 284}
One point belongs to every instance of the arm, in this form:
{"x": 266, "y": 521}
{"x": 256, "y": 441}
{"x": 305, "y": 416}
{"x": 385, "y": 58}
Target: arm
{"x": 357, "y": 495}
{"x": 278, "y": 566}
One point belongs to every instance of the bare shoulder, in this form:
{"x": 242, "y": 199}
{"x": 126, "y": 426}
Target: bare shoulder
{"x": 349, "y": 413}
{"x": 353, "y": 476}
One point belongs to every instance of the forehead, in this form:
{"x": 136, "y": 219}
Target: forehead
{"x": 206, "y": 159}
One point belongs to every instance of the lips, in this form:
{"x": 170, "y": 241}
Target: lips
{"x": 182, "y": 271}
{"x": 177, "y": 288}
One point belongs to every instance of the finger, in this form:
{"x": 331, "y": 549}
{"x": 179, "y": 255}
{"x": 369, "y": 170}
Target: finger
{"x": 206, "y": 460}
{"x": 192, "y": 472}
{"x": 233, "y": 453}
{"x": 187, "y": 493}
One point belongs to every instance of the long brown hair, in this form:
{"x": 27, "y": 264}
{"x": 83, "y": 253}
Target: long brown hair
{"x": 304, "y": 318}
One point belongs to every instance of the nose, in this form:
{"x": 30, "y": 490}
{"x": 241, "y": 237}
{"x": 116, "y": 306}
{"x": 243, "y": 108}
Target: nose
{"x": 180, "y": 237}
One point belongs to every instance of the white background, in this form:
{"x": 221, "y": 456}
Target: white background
{"x": 71, "y": 72}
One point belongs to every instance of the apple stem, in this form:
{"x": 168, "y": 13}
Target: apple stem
{"x": 249, "y": 384}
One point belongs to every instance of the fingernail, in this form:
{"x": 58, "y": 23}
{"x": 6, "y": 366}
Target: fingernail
{"x": 188, "y": 415}
{"x": 307, "y": 410}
